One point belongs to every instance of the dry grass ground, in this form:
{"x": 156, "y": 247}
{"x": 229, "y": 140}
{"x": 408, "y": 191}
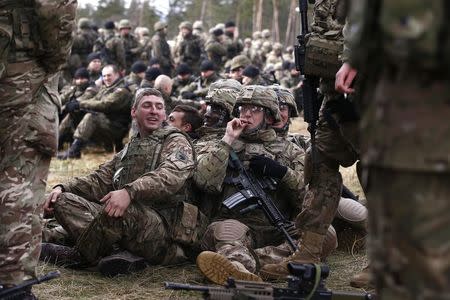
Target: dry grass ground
{"x": 147, "y": 284}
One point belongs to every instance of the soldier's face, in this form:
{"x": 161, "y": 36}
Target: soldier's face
{"x": 207, "y": 73}
{"x": 176, "y": 120}
{"x": 109, "y": 76}
{"x": 95, "y": 65}
{"x": 185, "y": 32}
{"x": 251, "y": 115}
{"x": 284, "y": 113}
{"x": 149, "y": 114}
{"x": 125, "y": 31}
{"x": 80, "y": 81}
{"x": 236, "y": 74}
{"x": 212, "y": 115}
{"x": 246, "y": 80}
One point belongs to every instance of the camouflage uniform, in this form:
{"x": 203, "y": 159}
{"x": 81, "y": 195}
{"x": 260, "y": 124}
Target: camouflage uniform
{"x": 179, "y": 85}
{"x": 233, "y": 234}
{"x": 200, "y": 86}
{"x": 110, "y": 118}
{"x": 146, "y": 44}
{"x": 161, "y": 50}
{"x": 189, "y": 52}
{"x": 131, "y": 45}
{"x": 83, "y": 43}
{"x": 157, "y": 224}
{"x": 405, "y": 145}
{"x": 215, "y": 51}
{"x": 111, "y": 48}
{"x": 42, "y": 32}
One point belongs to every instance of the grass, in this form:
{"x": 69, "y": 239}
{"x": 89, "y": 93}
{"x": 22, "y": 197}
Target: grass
{"x": 148, "y": 284}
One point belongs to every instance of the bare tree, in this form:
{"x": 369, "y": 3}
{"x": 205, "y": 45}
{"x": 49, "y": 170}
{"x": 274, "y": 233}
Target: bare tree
{"x": 259, "y": 15}
{"x": 203, "y": 12}
{"x": 290, "y": 28}
{"x": 275, "y": 24}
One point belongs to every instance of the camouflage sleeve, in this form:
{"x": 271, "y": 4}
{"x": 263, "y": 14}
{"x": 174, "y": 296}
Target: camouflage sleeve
{"x": 345, "y": 56}
{"x": 156, "y": 50}
{"x": 95, "y": 185}
{"x": 120, "y": 54}
{"x": 189, "y": 88}
{"x": 176, "y": 166}
{"x": 56, "y": 20}
{"x": 88, "y": 94}
{"x": 212, "y": 163}
{"x": 116, "y": 101}
{"x": 293, "y": 181}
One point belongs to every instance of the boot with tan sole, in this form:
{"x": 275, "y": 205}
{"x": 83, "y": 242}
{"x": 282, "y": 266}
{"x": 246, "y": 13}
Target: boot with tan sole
{"x": 310, "y": 249}
{"x": 218, "y": 268}
{"x": 363, "y": 279}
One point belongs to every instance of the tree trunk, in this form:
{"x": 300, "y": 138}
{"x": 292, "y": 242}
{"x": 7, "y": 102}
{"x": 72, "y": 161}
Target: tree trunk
{"x": 291, "y": 29}
{"x": 275, "y": 24}
{"x": 203, "y": 12}
{"x": 237, "y": 18}
{"x": 259, "y": 15}
{"x": 254, "y": 15}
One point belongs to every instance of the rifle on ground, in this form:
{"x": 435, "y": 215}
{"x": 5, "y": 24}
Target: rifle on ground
{"x": 307, "y": 281}
{"x": 251, "y": 189}
{"x": 18, "y": 291}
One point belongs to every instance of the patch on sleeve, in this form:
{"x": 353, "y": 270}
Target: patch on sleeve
{"x": 181, "y": 155}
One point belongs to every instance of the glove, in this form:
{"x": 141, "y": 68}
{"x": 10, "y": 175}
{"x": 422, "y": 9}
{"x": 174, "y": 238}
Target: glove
{"x": 188, "y": 95}
{"x": 265, "y": 166}
{"x": 72, "y": 106}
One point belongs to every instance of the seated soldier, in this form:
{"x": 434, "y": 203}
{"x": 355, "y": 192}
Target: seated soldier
{"x": 231, "y": 238}
{"x": 95, "y": 67}
{"x": 199, "y": 88}
{"x": 137, "y": 74}
{"x": 251, "y": 76}
{"x": 135, "y": 202}
{"x": 184, "y": 78}
{"x": 187, "y": 119}
{"x": 108, "y": 119}
{"x": 150, "y": 76}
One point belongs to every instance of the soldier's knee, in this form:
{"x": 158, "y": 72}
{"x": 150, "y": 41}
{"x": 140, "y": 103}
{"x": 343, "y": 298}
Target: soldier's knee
{"x": 232, "y": 232}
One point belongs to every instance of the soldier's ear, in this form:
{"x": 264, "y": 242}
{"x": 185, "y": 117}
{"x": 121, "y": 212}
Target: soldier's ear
{"x": 133, "y": 112}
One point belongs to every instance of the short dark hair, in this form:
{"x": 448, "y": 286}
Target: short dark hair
{"x": 140, "y": 93}
{"x": 191, "y": 115}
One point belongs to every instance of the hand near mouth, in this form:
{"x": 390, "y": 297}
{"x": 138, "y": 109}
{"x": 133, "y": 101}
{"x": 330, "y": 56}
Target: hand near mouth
{"x": 234, "y": 130}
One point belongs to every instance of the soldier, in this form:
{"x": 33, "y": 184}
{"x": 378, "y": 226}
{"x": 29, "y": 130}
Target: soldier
{"x": 404, "y": 141}
{"x": 276, "y": 55}
{"x": 82, "y": 89}
{"x": 150, "y": 76}
{"x": 251, "y": 76}
{"x": 161, "y": 49}
{"x": 215, "y": 49}
{"x": 266, "y": 36}
{"x": 199, "y": 31}
{"x": 190, "y": 47}
{"x": 94, "y": 67}
{"x": 237, "y": 66}
{"x": 164, "y": 84}
{"x": 233, "y": 44}
{"x": 28, "y": 131}
{"x": 294, "y": 82}
{"x": 199, "y": 88}
{"x": 146, "y": 44}
{"x": 108, "y": 119}
{"x": 233, "y": 235}
{"x": 110, "y": 47}
{"x": 83, "y": 43}
{"x": 132, "y": 200}
{"x": 137, "y": 74}
{"x": 130, "y": 43}
{"x": 184, "y": 78}
{"x": 335, "y": 146}
{"x": 187, "y": 119}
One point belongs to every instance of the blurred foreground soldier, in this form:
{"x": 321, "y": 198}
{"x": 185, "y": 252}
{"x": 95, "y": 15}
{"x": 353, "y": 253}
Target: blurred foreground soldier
{"x": 233, "y": 235}
{"x": 111, "y": 47}
{"x": 161, "y": 49}
{"x": 238, "y": 64}
{"x": 186, "y": 118}
{"x": 28, "y": 131}
{"x": 130, "y": 43}
{"x": 184, "y": 78}
{"x": 405, "y": 145}
{"x": 136, "y": 201}
{"x": 108, "y": 118}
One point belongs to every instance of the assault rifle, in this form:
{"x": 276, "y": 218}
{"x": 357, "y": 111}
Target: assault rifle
{"x": 251, "y": 190}
{"x": 18, "y": 291}
{"x": 307, "y": 281}
{"x": 311, "y": 101}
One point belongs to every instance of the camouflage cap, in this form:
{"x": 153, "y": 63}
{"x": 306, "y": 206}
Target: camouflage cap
{"x": 186, "y": 24}
{"x": 277, "y": 46}
{"x": 266, "y": 33}
{"x": 198, "y": 25}
{"x": 144, "y": 31}
{"x": 84, "y": 23}
{"x": 285, "y": 96}
{"x": 224, "y": 93}
{"x": 240, "y": 61}
{"x": 256, "y": 35}
{"x": 260, "y": 96}
{"x": 124, "y": 23}
{"x": 159, "y": 25}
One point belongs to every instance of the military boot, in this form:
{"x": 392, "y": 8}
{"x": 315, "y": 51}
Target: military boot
{"x": 363, "y": 279}
{"x": 218, "y": 268}
{"x": 123, "y": 262}
{"x": 73, "y": 152}
{"x": 61, "y": 255}
{"x": 310, "y": 248}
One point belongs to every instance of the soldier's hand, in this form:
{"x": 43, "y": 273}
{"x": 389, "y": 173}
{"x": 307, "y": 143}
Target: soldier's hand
{"x": 344, "y": 79}
{"x": 72, "y": 106}
{"x": 52, "y": 198}
{"x": 116, "y": 203}
{"x": 266, "y": 166}
{"x": 234, "y": 130}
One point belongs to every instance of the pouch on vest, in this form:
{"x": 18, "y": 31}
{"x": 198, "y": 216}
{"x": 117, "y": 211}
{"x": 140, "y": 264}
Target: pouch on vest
{"x": 189, "y": 224}
{"x": 414, "y": 31}
{"x": 5, "y": 42}
{"x": 322, "y": 56}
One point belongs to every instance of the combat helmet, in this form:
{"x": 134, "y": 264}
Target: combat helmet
{"x": 260, "y": 96}
{"x": 84, "y": 23}
{"x": 256, "y": 35}
{"x": 124, "y": 23}
{"x": 198, "y": 25}
{"x": 159, "y": 26}
{"x": 240, "y": 61}
{"x": 186, "y": 24}
{"x": 285, "y": 96}
{"x": 224, "y": 93}
{"x": 277, "y": 47}
{"x": 266, "y": 33}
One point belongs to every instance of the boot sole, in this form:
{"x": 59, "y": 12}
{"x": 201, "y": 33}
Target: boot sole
{"x": 218, "y": 269}
{"x": 113, "y": 266}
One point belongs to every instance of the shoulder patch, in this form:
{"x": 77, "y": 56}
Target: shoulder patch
{"x": 181, "y": 155}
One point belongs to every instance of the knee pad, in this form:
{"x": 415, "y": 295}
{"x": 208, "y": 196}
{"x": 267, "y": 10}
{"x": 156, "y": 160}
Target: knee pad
{"x": 352, "y": 212}
{"x": 330, "y": 242}
{"x": 231, "y": 231}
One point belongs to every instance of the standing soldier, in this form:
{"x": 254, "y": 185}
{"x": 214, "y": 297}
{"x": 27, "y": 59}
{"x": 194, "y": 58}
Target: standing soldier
{"x": 232, "y": 42}
{"x": 83, "y": 43}
{"x": 34, "y": 44}
{"x": 189, "y": 49}
{"x": 215, "y": 49}
{"x": 130, "y": 43}
{"x": 161, "y": 49}
{"x": 111, "y": 48}
{"x": 146, "y": 44}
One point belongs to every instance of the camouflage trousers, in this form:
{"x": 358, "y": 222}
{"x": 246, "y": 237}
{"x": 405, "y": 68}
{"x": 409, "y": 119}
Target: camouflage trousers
{"x": 335, "y": 146}
{"x": 141, "y": 230}
{"x": 409, "y": 230}
{"x": 68, "y": 125}
{"x": 27, "y": 140}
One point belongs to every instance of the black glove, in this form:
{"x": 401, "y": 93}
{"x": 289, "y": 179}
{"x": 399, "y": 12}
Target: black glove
{"x": 188, "y": 95}
{"x": 72, "y": 106}
{"x": 265, "y": 166}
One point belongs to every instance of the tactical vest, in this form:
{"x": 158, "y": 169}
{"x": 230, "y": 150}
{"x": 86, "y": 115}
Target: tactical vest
{"x": 19, "y": 39}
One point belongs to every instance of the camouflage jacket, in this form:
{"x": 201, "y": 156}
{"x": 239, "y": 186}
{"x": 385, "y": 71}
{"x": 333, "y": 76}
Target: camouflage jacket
{"x": 111, "y": 48}
{"x": 213, "y": 172}
{"x": 161, "y": 51}
{"x": 189, "y": 50}
{"x": 200, "y": 86}
{"x": 132, "y": 49}
{"x": 79, "y": 93}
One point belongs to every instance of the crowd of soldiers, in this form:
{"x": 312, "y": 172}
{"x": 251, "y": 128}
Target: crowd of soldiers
{"x": 203, "y": 109}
